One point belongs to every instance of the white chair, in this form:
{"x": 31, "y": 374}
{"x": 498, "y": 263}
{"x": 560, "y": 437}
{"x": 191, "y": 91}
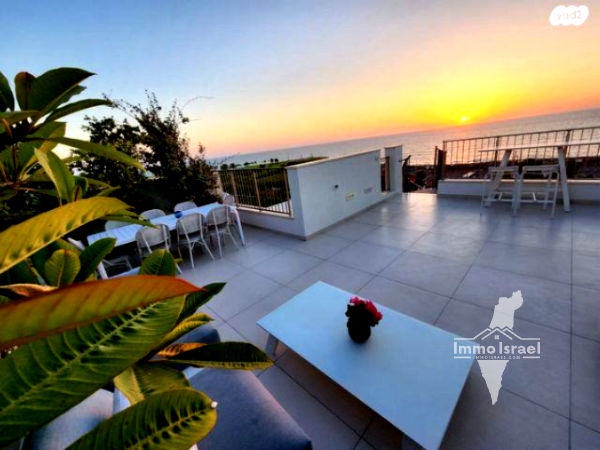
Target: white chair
{"x": 218, "y": 221}
{"x": 190, "y": 231}
{"x": 149, "y": 239}
{"x": 228, "y": 200}
{"x": 152, "y": 214}
{"x": 184, "y": 206}
{"x": 540, "y": 195}
{"x": 494, "y": 190}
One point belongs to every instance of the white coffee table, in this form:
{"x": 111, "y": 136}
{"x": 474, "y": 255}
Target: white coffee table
{"x": 406, "y": 371}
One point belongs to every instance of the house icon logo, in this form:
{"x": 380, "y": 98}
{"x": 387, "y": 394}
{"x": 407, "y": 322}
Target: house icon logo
{"x": 498, "y": 344}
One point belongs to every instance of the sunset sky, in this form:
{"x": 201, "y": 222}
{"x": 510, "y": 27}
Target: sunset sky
{"x": 274, "y": 74}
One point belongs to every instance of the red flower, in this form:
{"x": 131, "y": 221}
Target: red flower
{"x": 368, "y": 306}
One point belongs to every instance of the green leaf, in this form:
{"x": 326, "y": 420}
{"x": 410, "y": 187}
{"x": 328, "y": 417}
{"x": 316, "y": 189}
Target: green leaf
{"x": 24, "y": 239}
{"x": 27, "y": 156}
{"x": 23, "y": 82}
{"x": 108, "y": 191}
{"x": 189, "y": 324}
{"x": 82, "y": 304}
{"x": 143, "y": 380}
{"x": 7, "y": 101}
{"x": 20, "y": 273}
{"x": 27, "y": 290}
{"x": 59, "y": 173}
{"x": 173, "y": 420}
{"x": 175, "y": 349}
{"x": 223, "y": 355}
{"x": 62, "y": 268}
{"x": 198, "y": 299}
{"x": 16, "y": 116}
{"x": 81, "y": 187}
{"x": 93, "y": 255}
{"x": 76, "y": 107}
{"x": 42, "y": 380}
{"x": 50, "y": 87}
{"x": 160, "y": 262}
{"x": 100, "y": 150}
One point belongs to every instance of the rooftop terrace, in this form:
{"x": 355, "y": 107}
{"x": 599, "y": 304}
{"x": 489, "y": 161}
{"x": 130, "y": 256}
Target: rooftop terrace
{"x": 435, "y": 258}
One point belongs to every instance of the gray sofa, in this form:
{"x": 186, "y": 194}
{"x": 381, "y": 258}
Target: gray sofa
{"x": 249, "y": 417}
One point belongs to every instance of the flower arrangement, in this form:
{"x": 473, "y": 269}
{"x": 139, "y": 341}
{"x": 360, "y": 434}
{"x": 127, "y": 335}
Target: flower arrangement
{"x": 362, "y": 315}
{"x": 364, "y": 309}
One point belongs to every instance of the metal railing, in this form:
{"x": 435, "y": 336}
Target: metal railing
{"x": 261, "y": 189}
{"x": 463, "y": 157}
{"x": 385, "y": 173}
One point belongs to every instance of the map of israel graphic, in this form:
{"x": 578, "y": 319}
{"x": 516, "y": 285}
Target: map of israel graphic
{"x": 504, "y": 317}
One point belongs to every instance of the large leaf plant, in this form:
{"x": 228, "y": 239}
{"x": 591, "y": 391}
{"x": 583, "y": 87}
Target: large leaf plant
{"x": 64, "y": 334}
{"x": 31, "y": 127}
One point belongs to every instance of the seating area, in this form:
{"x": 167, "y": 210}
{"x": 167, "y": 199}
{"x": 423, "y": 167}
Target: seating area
{"x": 435, "y": 259}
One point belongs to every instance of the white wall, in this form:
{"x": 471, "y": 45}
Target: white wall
{"x": 328, "y": 191}
{"x": 579, "y": 190}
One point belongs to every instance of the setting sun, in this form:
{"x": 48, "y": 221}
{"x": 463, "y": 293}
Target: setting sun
{"x": 464, "y": 119}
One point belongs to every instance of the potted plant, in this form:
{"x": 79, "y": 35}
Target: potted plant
{"x": 362, "y": 315}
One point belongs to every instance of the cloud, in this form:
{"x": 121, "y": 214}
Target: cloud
{"x": 569, "y": 15}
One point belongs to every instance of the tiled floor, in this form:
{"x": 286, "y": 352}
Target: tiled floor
{"x": 437, "y": 260}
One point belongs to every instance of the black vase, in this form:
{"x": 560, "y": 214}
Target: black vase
{"x": 359, "y": 330}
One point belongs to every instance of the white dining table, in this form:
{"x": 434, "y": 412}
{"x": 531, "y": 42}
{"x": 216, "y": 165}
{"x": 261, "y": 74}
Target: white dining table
{"x": 561, "y": 149}
{"x": 126, "y": 235}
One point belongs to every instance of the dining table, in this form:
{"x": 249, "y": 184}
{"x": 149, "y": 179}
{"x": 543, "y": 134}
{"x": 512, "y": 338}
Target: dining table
{"x": 126, "y": 234}
{"x": 561, "y": 149}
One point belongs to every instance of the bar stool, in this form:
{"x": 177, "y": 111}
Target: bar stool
{"x": 541, "y": 196}
{"x": 495, "y": 191}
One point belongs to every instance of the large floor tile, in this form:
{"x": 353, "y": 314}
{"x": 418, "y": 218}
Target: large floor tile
{"x": 586, "y": 313}
{"x": 473, "y": 226}
{"x": 583, "y": 438}
{"x": 351, "y": 230}
{"x": 399, "y": 238}
{"x": 382, "y": 435}
{"x": 534, "y": 216}
{"x": 287, "y": 242}
{"x": 251, "y": 255}
{"x": 456, "y": 247}
{"x": 586, "y": 242}
{"x": 536, "y": 262}
{"x": 512, "y": 423}
{"x": 439, "y": 275}
{"x": 325, "y": 429}
{"x": 408, "y": 300}
{"x": 254, "y": 234}
{"x": 367, "y": 257}
{"x": 585, "y": 388}
{"x": 245, "y": 322}
{"x": 352, "y": 411}
{"x": 544, "y": 302}
{"x": 413, "y": 219}
{"x": 286, "y": 266}
{"x": 241, "y": 292}
{"x": 586, "y": 271}
{"x": 544, "y": 381}
{"x": 322, "y": 246}
{"x": 372, "y": 217}
{"x": 208, "y": 271}
{"x": 335, "y": 274}
{"x": 551, "y": 238}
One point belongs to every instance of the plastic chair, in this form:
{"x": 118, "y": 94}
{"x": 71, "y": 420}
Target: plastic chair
{"x": 153, "y": 214}
{"x": 495, "y": 191}
{"x": 218, "y": 221}
{"x": 184, "y": 206}
{"x": 149, "y": 239}
{"x": 228, "y": 200}
{"x": 190, "y": 231}
{"x": 546, "y": 172}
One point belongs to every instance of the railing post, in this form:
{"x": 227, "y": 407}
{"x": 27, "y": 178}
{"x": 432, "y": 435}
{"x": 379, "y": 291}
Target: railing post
{"x": 256, "y": 188}
{"x": 235, "y": 195}
{"x": 287, "y": 190}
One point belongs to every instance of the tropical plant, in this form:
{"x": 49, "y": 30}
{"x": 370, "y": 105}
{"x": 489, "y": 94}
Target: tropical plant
{"x": 124, "y": 330}
{"x": 63, "y": 333}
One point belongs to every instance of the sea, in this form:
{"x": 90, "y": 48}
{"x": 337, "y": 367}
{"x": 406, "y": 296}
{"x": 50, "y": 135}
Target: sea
{"x": 420, "y": 145}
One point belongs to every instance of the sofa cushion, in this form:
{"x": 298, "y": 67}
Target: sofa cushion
{"x": 248, "y": 417}
{"x": 66, "y": 429}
